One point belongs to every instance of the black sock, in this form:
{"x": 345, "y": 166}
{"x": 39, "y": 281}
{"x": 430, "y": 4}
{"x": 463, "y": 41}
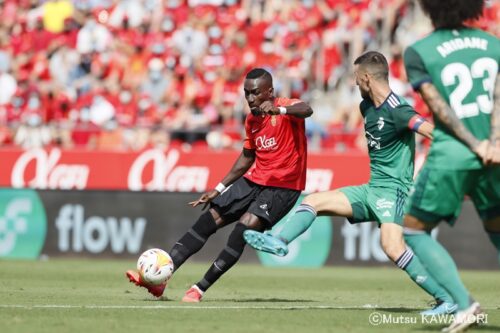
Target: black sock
{"x": 193, "y": 240}
{"x": 226, "y": 259}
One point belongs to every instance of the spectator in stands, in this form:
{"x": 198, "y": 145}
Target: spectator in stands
{"x": 32, "y": 133}
{"x": 55, "y": 12}
{"x": 7, "y": 81}
{"x": 93, "y": 37}
{"x": 184, "y": 61}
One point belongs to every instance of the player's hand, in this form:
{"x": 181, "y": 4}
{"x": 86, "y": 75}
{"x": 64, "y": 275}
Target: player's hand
{"x": 493, "y": 154}
{"x": 267, "y": 107}
{"x": 205, "y": 199}
{"x": 482, "y": 149}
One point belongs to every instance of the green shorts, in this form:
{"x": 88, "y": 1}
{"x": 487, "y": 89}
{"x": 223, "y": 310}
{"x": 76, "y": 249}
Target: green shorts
{"x": 381, "y": 204}
{"x": 438, "y": 194}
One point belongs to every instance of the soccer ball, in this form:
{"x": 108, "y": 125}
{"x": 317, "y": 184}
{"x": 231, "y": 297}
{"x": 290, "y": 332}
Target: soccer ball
{"x": 155, "y": 266}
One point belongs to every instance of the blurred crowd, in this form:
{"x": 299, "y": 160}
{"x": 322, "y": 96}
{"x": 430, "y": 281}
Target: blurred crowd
{"x": 133, "y": 74}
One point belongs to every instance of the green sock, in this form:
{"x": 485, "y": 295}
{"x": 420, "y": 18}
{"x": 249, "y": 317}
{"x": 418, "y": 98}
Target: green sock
{"x": 410, "y": 263}
{"x": 300, "y": 221}
{"x": 440, "y": 265}
{"x": 495, "y": 239}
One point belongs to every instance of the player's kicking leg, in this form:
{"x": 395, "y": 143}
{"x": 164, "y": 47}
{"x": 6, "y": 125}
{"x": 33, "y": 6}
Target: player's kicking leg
{"x": 358, "y": 203}
{"x": 226, "y": 259}
{"x": 192, "y": 241}
{"x": 330, "y": 203}
{"x": 155, "y": 290}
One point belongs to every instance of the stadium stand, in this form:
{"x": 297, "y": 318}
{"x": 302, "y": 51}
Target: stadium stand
{"x": 131, "y": 74}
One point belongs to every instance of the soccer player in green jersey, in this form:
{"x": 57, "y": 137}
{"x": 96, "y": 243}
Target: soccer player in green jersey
{"x": 390, "y": 126}
{"x": 455, "y": 69}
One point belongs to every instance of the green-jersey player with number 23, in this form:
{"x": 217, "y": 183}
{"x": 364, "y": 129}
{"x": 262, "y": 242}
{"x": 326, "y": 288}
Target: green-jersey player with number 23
{"x": 455, "y": 69}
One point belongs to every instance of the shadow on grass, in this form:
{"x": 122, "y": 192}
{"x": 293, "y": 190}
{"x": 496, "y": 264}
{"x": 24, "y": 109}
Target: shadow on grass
{"x": 393, "y": 310}
{"x": 270, "y": 300}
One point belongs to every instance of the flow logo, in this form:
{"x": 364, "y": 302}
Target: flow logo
{"x": 23, "y": 224}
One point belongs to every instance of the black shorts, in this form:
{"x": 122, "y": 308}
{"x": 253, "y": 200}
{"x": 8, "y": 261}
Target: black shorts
{"x": 268, "y": 203}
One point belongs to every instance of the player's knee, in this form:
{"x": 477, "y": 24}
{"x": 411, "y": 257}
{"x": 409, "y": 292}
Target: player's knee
{"x": 312, "y": 200}
{"x": 393, "y": 247}
{"x": 219, "y": 222}
{"x": 251, "y": 221}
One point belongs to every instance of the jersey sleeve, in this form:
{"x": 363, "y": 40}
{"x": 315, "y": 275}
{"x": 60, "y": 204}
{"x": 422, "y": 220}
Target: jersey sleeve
{"x": 282, "y": 101}
{"x": 405, "y": 117}
{"x": 248, "y": 143}
{"x": 415, "y": 68}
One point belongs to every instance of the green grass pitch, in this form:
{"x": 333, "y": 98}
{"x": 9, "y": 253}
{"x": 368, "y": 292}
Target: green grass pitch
{"x": 94, "y": 296}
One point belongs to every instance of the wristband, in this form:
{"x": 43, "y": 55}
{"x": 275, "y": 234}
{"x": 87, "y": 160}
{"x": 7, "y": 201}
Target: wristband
{"x": 220, "y": 187}
{"x": 282, "y": 110}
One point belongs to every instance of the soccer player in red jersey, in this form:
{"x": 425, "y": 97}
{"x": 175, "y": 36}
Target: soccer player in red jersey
{"x": 259, "y": 190}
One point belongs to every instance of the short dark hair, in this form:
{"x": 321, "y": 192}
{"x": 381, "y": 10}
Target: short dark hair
{"x": 450, "y": 14}
{"x": 376, "y": 62}
{"x": 258, "y": 73}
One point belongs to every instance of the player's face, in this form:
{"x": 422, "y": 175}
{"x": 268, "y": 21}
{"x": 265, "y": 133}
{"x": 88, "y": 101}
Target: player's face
{"x": 362, "y": 81}
{"x": 257, "y": 91}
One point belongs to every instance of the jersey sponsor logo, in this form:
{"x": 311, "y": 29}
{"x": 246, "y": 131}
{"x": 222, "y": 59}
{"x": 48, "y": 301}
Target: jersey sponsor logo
{"x": 49, "y": 174}
{"x": 262, "y": 142}
{"x": 254, "y": 130}
{"x": 384, "y": 204}
{"x": 387, "y": 213}
{"x": 380, "y": 123}
{"x": 373, "y": 142}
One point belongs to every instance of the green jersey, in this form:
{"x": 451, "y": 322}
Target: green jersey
{"x": 391, "y": 143}
{"x": 462, "y": 65}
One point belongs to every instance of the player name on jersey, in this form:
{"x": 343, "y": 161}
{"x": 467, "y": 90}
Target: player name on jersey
{"x": 450, "y": 46}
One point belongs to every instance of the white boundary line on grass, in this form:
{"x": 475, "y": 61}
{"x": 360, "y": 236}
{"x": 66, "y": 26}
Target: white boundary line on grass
{"x": 212, "y": 307}
{"x": 202, "y": 307}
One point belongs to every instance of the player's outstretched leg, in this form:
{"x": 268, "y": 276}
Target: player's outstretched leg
{"x": 193, "y": 240}
{"x": 391, "y": 237}
{"x": 296, "y": 225}
{"x": 440, "y": 265}
{"x": 266, "y": 242}
{"x": 189, "y": 244}
{"x": 226, "y": 259}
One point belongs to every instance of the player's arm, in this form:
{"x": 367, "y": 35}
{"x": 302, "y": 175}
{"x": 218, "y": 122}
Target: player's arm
{"x": 240, "y": 167}
{"x": 446, "y": 115}
{"x": 299, "y": 109}
{"x": 421, "y": 126}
